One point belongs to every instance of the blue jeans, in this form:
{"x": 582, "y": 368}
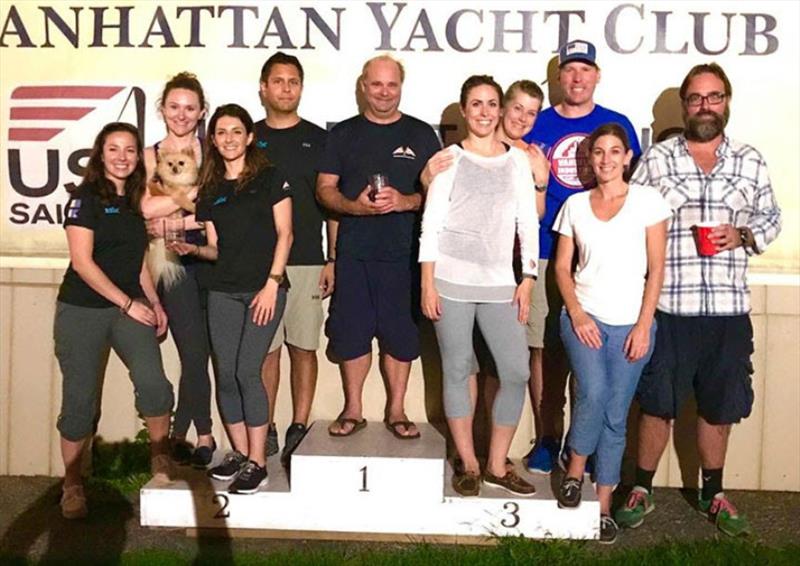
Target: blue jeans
{"x": 606, "y": 382}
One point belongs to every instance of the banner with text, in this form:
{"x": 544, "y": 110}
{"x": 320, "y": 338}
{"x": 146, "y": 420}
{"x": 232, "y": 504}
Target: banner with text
{"x": 68, "y": 67}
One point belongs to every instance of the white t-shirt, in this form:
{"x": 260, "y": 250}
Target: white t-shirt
{"x": 612, "y": 255}
{"x": 472, "y": 212}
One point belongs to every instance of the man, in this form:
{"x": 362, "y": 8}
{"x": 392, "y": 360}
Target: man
{"x": 560, "y": 131}
{"x": 704, "y": 339}
{"x": 296, "y": 145}
{"x": 374, "y": 246}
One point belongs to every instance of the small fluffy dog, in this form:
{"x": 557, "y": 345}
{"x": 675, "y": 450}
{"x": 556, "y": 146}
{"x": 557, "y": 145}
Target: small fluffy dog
{"x": 176, "y": 174}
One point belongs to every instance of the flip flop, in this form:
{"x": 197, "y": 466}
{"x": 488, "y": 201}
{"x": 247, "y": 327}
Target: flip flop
{"x": 357, "y": 425}
{"x": 392, "y": 427}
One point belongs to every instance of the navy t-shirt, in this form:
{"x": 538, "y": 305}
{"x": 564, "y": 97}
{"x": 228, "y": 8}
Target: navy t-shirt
{"x": 245, "y": 226}
{"x": 559, "y": 138}
{"x": 298, "y": 151}
{"x": 120, "y": 241}
{"x": 358, "y": 148}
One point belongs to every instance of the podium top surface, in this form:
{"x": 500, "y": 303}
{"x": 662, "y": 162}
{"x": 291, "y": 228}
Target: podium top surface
{"x": 374, "y": 441}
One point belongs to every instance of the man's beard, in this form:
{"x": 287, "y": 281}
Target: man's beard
{"x": 702, "y": 129}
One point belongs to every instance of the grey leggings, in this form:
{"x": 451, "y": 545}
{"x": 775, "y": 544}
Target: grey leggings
{"x": 504, "y": 336}
{"x": 240, "y": 347}
{"x": 82, "y": 338}
{"x": 186, "y": 311}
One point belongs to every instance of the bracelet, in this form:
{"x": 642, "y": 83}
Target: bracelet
{"x": 127, "y": 307}
{"x": 330, "y": 260}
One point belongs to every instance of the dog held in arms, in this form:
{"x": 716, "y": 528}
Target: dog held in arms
{"x": 176, "y": 175}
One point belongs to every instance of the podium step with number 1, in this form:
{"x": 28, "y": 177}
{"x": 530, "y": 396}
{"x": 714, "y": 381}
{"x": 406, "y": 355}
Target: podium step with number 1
{"x": 371, "y": 466}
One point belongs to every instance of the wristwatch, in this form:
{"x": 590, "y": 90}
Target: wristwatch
{"x": 277, "y": 278}
{"x": 744, "y": 235}
{"x": 540, "y": 188}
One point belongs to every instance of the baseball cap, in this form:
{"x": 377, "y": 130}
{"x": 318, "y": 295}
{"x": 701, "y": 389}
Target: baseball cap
{"x": 577, "y": 50}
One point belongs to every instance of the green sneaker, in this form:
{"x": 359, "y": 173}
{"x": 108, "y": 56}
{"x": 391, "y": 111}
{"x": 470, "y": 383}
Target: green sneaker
{"x": 639, "y": 503}
{"x": 725, "y": 516}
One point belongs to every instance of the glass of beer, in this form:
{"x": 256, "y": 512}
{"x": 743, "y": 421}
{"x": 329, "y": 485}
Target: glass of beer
{"x": 377, "y": 181}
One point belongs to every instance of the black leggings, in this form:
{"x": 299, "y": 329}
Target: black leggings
{"x": 186, "y": 308}
{"x": 240, "y": 347}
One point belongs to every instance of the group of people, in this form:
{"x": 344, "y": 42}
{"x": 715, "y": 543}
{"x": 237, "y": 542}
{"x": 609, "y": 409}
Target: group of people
{"x": 606, "y": 284}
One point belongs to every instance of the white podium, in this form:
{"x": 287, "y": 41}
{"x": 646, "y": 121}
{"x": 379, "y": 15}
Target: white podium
{"x": 372, "y": 484}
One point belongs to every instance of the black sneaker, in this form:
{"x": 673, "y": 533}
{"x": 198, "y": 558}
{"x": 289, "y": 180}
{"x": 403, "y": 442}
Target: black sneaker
{"x": 294, "y": 434}
{"x": 230, "y": 466}
{"x": 272, "y": 440}
{"x": 202, "y": 456}
{"x": 250, "y": 479}
{"x": 608, "y": 530}
{"x": 569, "y": 493}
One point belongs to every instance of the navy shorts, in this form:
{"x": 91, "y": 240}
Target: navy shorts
{"x": 372, "y": 299}
{"x": 708, "y": 356}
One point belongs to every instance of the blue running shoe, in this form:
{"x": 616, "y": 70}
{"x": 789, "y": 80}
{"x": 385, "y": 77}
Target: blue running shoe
{"x": 542, "y": 459}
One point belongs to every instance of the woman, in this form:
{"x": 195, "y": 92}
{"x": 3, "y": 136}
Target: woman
{"x": 248, "y": 220}
{"x": 619, "y": 234}
{"x": 466, "y": 251}
{"x": 182, "y": 106}
{"x": 522, "y": 102}
{"x": 107, "y": 299}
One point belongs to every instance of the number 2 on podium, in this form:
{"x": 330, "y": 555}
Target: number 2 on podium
{"x": 223, "y": 501}
{"x": 364, "y": 488}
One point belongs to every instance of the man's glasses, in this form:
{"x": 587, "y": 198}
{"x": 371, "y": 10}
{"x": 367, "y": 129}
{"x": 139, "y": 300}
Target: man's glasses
{"x": 711, "y": 98}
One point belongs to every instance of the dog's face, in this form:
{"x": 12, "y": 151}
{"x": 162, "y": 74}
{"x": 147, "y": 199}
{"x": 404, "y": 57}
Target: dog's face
{"x": 177, "y": 167}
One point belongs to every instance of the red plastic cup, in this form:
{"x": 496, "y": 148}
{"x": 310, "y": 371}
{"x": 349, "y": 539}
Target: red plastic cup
{"x": 702, "y": 231}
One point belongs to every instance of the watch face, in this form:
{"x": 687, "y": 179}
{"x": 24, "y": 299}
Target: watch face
{"x": 744, "y": 236}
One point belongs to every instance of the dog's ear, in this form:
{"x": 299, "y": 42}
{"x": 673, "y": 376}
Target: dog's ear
{"x": 188, "y": 151}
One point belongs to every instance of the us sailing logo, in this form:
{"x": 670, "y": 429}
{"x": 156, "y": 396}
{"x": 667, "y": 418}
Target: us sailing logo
{"x": 50, "y": 134}
{"x": 51, "y": 108}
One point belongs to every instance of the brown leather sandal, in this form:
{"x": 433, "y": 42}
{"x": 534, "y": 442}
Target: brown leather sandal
{"x": 393, "y": 428}
{"x": 341, "y": 421}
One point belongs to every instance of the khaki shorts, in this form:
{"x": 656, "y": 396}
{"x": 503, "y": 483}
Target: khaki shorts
{"x": 302, "y": 319}
{"x": 546, "y": 306}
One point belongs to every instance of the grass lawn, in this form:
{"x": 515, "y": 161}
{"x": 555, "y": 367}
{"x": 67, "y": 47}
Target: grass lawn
{"x": 512, "y": 551}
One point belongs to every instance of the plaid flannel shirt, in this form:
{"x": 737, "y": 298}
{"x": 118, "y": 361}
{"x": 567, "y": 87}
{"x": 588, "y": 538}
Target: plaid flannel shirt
{"x": 737, "y": 192}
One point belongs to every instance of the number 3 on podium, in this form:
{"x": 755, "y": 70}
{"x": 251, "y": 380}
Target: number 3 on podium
{"x": 512, "y": 508}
